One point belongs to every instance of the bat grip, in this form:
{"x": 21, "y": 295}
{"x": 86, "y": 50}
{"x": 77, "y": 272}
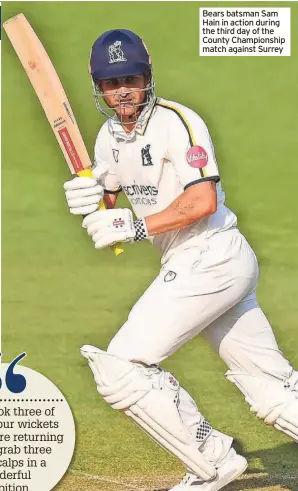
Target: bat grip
{"x": 117, "y": 248}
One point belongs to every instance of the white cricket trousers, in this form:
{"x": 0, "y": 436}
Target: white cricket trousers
{"x": 210, "y": 292}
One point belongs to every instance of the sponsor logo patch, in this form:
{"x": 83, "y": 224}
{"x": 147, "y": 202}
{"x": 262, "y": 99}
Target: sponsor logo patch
{"x": 118, "y": 222}
{"x": 197, "y": 157}
{"x": 138, "y": 194}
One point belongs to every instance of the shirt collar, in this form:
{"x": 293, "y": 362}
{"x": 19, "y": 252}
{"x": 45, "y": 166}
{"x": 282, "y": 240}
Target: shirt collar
{"x": 116, "y": 129}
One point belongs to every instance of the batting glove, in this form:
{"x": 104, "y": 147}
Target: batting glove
{"x": 107, "y": 227}
{"x": 83, "y": 195}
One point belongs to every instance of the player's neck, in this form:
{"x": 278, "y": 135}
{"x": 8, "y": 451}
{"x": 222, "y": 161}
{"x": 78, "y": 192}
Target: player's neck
{"x": 128, "y": 127}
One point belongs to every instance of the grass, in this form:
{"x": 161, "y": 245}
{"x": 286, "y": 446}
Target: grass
{"x": 59, "y": 293}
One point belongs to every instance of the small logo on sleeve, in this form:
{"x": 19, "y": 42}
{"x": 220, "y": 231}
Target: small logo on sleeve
{"x": 170, "y": 276}
{"x": 173, "y": 381}
{"x": 197, "y": 157}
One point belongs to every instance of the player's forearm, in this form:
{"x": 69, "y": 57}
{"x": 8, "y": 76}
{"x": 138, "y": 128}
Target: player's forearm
{"x": 188, "y": 208}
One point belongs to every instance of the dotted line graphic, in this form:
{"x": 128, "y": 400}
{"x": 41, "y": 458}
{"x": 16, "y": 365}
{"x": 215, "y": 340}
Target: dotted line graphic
{"x": 32, "y": 400}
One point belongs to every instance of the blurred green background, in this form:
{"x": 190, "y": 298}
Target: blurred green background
{"x": 59, "y": 293}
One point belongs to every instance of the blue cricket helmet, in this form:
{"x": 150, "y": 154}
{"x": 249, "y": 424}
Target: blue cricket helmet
{"x": 118, "y": 53}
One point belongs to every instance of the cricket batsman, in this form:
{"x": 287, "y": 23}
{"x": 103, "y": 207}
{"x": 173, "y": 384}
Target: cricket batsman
{"x": 160, "y": 154}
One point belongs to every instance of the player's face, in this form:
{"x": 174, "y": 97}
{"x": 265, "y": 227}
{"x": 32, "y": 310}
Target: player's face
{"x": 124, "y": 95}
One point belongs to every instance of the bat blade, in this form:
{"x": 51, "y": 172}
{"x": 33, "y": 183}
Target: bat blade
{"x": 49, "y": 91}
{"x": 51, "y": 95}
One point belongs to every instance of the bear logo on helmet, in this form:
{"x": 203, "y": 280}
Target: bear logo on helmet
{"x": 115, "y": 53}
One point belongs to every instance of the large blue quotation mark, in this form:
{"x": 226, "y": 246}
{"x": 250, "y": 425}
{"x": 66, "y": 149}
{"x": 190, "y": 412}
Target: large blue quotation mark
{"x": 15, "y": 382}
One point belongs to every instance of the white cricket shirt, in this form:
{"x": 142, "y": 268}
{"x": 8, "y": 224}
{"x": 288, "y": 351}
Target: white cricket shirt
{"x": 169, "y": 152}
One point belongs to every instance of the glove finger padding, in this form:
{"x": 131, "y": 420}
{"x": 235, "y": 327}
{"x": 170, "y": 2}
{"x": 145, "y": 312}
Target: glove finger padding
{"x": 80, "y": 183}
{"x": 84, "y": 210}
{"x": 94, "y": 217}
{"x": 84, "y": 201}
{"x": 83, "y": 195}
{"x": 96, "y": 227}
{"x": 83, "y": 192}
{"x": 109, "y": 240}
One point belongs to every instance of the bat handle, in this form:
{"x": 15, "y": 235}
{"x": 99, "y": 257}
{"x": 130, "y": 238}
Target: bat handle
{"x": 117, "y": 248}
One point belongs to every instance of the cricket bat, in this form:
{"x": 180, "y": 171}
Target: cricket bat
{"x": 52, "y": 97}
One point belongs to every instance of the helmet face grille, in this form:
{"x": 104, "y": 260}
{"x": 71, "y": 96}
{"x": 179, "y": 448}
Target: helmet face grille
{"x": 109, "y": 112}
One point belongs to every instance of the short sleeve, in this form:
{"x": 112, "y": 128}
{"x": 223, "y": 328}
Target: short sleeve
{"x": 104, "y": 165}
{"x": 190, "y": 148}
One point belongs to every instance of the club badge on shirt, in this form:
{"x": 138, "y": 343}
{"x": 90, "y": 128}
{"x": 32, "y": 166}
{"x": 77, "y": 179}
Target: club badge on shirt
{"x": 146, "y": 156}
{"x": 197, "y": 157}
